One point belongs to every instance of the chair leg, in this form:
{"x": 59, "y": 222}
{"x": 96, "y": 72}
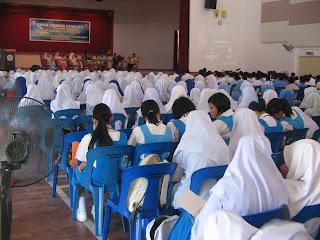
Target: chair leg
{"x": 98, "y": 200}
{"x": 125, "y": 224}
{"x": 106, "y": 222}
{"x": 75, "y": 201}
{"x": 70, "y": 173}
{"x": 54, "y": 183}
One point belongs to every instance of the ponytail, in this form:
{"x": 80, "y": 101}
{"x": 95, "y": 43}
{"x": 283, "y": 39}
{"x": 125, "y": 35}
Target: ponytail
{"x": 286, "y": 107}
{"x": 259, "y": 105}
{"x": 102, "y": 113}
{"x": 149, "y": 110}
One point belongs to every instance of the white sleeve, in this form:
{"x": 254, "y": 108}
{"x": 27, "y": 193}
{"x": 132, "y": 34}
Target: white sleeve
{"x": 82, "y": 150}
{"x": 286, "y": 126}
{"x": 136, "y": 137}
{"x": 222, "y": 128}
{"x": 174, "y": 130}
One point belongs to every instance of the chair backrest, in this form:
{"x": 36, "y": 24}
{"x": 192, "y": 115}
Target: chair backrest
{"x": 168, "y": 118}
{"x": 68, "y": 140}
{"x": 159, "y": 148}
{"x": 68, "y": 113}
{"x": 276, "y": 139}
{"x": 278, "y": 90}
{"x": 307, "y": 213}
{"x": 132, "y": 111}
{"x": 118, "y": 117}
{"x": 110, "y": 158}
{"x": 127, "y": 131}
{"x": 258, "y": 219}
{"x": 300, "y": 94}
{"x": 67, "y": 122}
{"x": 203, "y": 174}
{"x": 317, "y": 120}
{"x": 84, "y": 123}
{"x": 295, "y": 135}
{"x": 316, "y": 135}
{"x": 153, "y": 173}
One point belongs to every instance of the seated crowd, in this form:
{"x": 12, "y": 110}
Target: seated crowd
{"x": 216, "y": 119}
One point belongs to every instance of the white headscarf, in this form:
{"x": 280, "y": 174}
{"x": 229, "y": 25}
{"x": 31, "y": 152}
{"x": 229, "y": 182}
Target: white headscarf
{"x": 313, "y": 105}
{"x": 248, "y": 95}
{"x": 137, "y": 86}
{"x": 251, "y": 184}
{"x": 64, "y": 99}
{"x": 162, "y": 86}
{"x": 200, "y": 85}
{"x": 303, "y": 160}
{"x": 153, "y": 94}
{"x": 46, "y": 89}
{"x": 94, "y": 97}
{"x": 212, "y": 82}
{"x": 307, "y": 91}
{"x": 245, "y": 84}
{"x": 123, "y": 83}
{"x": 177, "y": 91}
{"x": 199, "y": 78}
{"x": 83, "y": 96}
{"x": 269, "y": 94}
{"x": 101, "y": 86}
{"x": 115, "y": 88}
{"x": 32, "y": 92}
{"x": 245, "y": 122}
{"x": 131, "y": 98}
{"x": 110, "y": 99}
{"x": 199, "y": 135}
{"x": 76, "y": 88}
{"x": 205, "y": 95}
{"x": 195, "y": 94}
{"x": 183, "y": 84}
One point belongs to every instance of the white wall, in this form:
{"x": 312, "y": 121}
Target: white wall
{"x": 239, "y": 33}
{"x": 141, "y": 26}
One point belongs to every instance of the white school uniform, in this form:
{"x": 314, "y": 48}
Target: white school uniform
{"x": 221, "y": 127}
{"x": 174, "y": 130}
{"x": 307, "y": 91}
{"x": 251, "y": 184}
{"x": 199, "y": 147}
{"x": 269, "y": 120}
{"x": 313, "y": 105}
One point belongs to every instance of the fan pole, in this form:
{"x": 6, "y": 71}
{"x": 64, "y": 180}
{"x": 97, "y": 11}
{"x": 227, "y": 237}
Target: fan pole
{"x": 6, "y": 202}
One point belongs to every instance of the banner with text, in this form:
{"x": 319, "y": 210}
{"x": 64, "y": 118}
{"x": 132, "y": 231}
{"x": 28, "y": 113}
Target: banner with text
{"x": 59, "y": 30}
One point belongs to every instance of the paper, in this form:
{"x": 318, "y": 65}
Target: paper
{"x": 191, "y": 202}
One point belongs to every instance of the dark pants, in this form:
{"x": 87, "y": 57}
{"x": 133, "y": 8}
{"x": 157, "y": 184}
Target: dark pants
{"x": 130, "y": 66}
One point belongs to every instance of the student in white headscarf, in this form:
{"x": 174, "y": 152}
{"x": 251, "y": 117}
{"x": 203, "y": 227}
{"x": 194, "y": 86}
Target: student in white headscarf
{"x": 177, "y": 91}
{"x": 201, "y": 85}
{"x": 101, "y": 86}
{"x": 251, "y": 184}
{"x": 229, "y": 225}
{"x": 94, "y": 97}
{"x": 32, "y": 92}
{"x": 248, "y": 95}
{"x": 212, "y": 82}
{"x": 196, "y": 151}
{"x": 46, "y": 89}
{"x": 313, "y": 105}
{"x": 233, "y": 104}
{"x": 73, "y": 59}
{"x": 183, "y": 84}
{"x": 245, "y": 122}
{"x": 303, "y": 161}
{"x": 112, "y": 101}
{"x": 131, "y": 97}
{"x": 269, "y": 94}
{"x": 307, "y": 91}
{"x": 137, "y": 86}
{"x": 195, "y": 94}
{"x": 114, "y": 87}
{"x": 64, "y": 99}
{"x": 205, "y": 95}
{"x": 76, "y": 88}
{"x": 162, "y": 86}
{"x": 82, "y": 98}
{"x": 123, "y": 83}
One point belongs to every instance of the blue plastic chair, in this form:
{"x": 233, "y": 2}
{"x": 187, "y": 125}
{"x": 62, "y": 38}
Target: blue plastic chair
{"x": 132, "y": 112}
{"x": 68, "y": 140}
{"x": 84, "y": 123}
{"x": 258, "y": 219}
{"x": 316, "y": 135}
{"x": 118, "y": 117}
{"x": 300, "y": 94}
{"x": 67, "y": 122}
{"x": 22, "y": 83}
{"x": 68, "y": 113}
{"x": 317, "y": 120}
{"x": 203, "y": 174}
{"x": 153, "y": 173}
{"x": 47, "y": 102}
{"x": 278, "y": 158}
{"x": 257, "y": 89}
{"x": 308, "y": 213}
{"x": 288, "y": 94}
{"x": 295, "y": 135}
{"x": 168, "y": 118}
{"x": 161, "y": 148}
{"x": 278, "y": 90}
{"x": 276, "y": 139}
{"x": 127, "y": 131}
{"x": 112, "y": 155}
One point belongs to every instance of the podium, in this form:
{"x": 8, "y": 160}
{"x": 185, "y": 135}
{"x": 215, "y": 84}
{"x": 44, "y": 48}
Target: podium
{"x": 8, "y": 57}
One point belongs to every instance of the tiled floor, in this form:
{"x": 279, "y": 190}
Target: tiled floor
{"x": 37, "y": 216}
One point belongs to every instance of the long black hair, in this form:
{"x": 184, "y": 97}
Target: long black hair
{"x": 276, "y": 105}
{"x": 259, "y": 106}
{"x": 149, "y": 110}
{"x": 102, "y": 113}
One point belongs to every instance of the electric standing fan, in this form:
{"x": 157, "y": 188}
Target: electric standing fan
{"x": 31, "y": 143}
{"x": 9, "y": 87}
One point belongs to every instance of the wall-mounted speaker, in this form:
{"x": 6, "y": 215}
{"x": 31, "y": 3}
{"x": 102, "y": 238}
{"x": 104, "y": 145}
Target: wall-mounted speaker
{"x": 211, "y": 4}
